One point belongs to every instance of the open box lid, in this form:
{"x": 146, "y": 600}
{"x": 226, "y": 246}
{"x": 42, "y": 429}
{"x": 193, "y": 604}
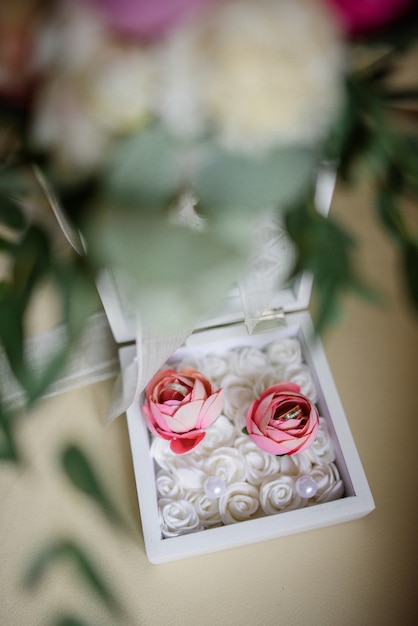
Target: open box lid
{"x": 247, "y": 301}
{"x": 255, "y": 298}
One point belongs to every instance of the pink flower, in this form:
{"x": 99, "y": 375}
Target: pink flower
{"x": 147, "y": 18}
{"x": 361, "y": 16}
{"x": 179, "y": 406}
{"x": 282, "y": 420}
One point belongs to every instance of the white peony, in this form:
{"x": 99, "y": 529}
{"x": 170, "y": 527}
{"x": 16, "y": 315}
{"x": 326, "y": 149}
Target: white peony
{"x": 262, "y": 73}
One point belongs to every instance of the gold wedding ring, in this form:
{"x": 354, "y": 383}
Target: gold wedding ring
{"x": 292, "y": 414}
{"x": 177, "y": 387}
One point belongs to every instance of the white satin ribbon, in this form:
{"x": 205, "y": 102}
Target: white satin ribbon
{"x": 95, "y": 358}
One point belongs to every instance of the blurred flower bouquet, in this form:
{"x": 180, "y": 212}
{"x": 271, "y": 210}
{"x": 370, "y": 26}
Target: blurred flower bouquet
{"x": 163, "y": 131}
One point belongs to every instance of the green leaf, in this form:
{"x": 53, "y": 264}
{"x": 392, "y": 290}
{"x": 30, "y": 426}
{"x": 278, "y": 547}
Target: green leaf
{"x": 67, "y": 550}
{"x": 229, "y": 181}
{"x": 11, "y": 214}
{"x": 7, "y": 246}
{"x": 32, "y": 262}
{"x": 11, "y": 334}
{"x": 411, "y": 271}
{"x": 69, "y": 620}
{"x": 13, "y": 181}
{"x": 8, "y": 447}
{"x": 175, "y": 274}
{"x": 82, "y": 475}
{"x": 78, "y": 291}
{"x": 144, "y": 170}
{"x": 244, "y": 431}
{"x": 39, "y": 381}
{"x": 390, "y": 215}
{"x": 325, "y": 249}
{"x": 400, "y": 94}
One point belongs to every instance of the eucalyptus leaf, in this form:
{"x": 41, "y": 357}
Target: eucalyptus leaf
{"x": 67, "y": 550}
{"x": 390, "y": 214}
{"x": 13, "y": 181}
{"x": 8, "y": 247}
{"x": 11, "y": 335}
{"x": 230, "y": 181}
{"x": 78, "y": 295}
{"x": 175, "y": 274}
{"x": 82, "y": 475}
{"x": 11, "y": 214}
{"x": 411, "y": 271}
{"x": 400, "y": 94}
{"x": 325, "y": 249}
{"x": 144, "y": 169}
{"x": 69, "y": 620}
{"x": 8, "y": 447}
{"x": 32, "y": 262}
{"x": 37, "y": 382}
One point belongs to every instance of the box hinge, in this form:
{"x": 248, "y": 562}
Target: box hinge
{"x": 270, "y": 319}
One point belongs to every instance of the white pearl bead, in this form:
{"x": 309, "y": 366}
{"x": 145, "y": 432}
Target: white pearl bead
{"x": 214, "y": 487}
{"x": 306, "y": 487}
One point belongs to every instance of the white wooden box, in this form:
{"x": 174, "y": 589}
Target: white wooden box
{"x": 226, "y": 332}
{"x": 356, "y": 502}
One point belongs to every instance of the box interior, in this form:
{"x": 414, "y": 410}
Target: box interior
{"x": 356, "y": 501}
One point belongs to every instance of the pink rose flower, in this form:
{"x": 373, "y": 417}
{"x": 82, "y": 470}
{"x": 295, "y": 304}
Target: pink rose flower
{"x": 147, "y": 18}
{"x": 282, "y": 420}
{"x": 179, "y": 406}
{"x": 361, "y": 16}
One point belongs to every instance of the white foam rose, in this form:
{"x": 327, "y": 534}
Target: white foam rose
{"x": 330, "y": 485}
{"x": 260, "y": 465}
{"x": 206, "y": 508}
{"x": 166, "y": 459}
{"x": 195, "y": 361}
{"x": 226, "y": 463}
{"x": 239, "y": 394}
{"x": 295, "y": 464}
{"x": 215, "y": 367}
{"x": 168, "y": 485}
{"x": 280, "y": 495}
{"x": 301, "y": 375}
{"x": 178, "y": 517}
{"x": 322, "y": 450}
{"x": 284, "y": 352}
{"x": 266, "y": 379}
{"x": 221, "y": 433}
{"x": 239, "y": 502}
{"x": 247, "y": 362}
{"x": 190, "y": 478}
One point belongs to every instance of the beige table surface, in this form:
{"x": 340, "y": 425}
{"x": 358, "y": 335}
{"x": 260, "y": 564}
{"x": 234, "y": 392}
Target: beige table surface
{"x": 358, "y": 573}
